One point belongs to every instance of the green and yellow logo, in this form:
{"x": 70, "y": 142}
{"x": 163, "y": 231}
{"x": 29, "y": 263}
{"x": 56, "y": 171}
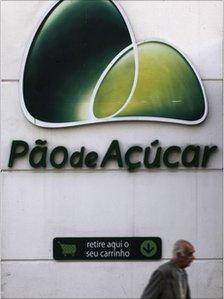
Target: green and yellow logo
{"x": 84, "y": 66}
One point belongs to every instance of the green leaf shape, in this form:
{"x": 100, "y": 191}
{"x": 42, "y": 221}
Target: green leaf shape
{"x": 167, "y": 86}
{"x": 72, "y": 47}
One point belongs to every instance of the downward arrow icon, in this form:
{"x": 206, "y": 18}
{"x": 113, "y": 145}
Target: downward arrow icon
{"x": 148, "y": 248}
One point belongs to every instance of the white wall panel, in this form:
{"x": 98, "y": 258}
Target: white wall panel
{"x": 57, "y": 205}
{"x": 177, "y": 204}
{"x": 164, "y": 204}
{"x": 108, "y": 204}
{"x": 195, "y": 27}
{"x": 209, "y": 214}
{"x": 102, "y": 280}
{"x": 98, "y": 137}
{"x": 210, "y": 279}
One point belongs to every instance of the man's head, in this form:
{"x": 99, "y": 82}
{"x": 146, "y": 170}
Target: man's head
{"x": 183, "y": 253}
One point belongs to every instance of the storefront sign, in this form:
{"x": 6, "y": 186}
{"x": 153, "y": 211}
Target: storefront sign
{"x": 92, "y": 70}
{"x": 88, "y": 249}
{"x": 135, "y": 157}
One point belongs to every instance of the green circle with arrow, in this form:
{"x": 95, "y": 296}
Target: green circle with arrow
{"x": 148, "y": 248}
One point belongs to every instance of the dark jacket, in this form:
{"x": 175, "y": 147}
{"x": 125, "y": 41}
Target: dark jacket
{"x": 164, "y": 284}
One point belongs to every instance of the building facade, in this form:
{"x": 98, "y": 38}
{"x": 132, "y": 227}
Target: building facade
{"x": 40, "y": 204}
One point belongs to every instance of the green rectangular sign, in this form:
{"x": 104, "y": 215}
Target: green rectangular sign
{"x": 102, "y": 249}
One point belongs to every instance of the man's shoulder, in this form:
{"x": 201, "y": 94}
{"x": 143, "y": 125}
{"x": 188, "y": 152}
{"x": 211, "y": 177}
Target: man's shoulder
{"x": 166, "y": 268}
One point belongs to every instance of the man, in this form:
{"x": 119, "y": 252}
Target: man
{"x": 169, "y": 281}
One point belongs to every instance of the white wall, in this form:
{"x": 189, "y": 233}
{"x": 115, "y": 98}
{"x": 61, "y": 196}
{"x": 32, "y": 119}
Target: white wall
{"x": 40, "y": 205}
